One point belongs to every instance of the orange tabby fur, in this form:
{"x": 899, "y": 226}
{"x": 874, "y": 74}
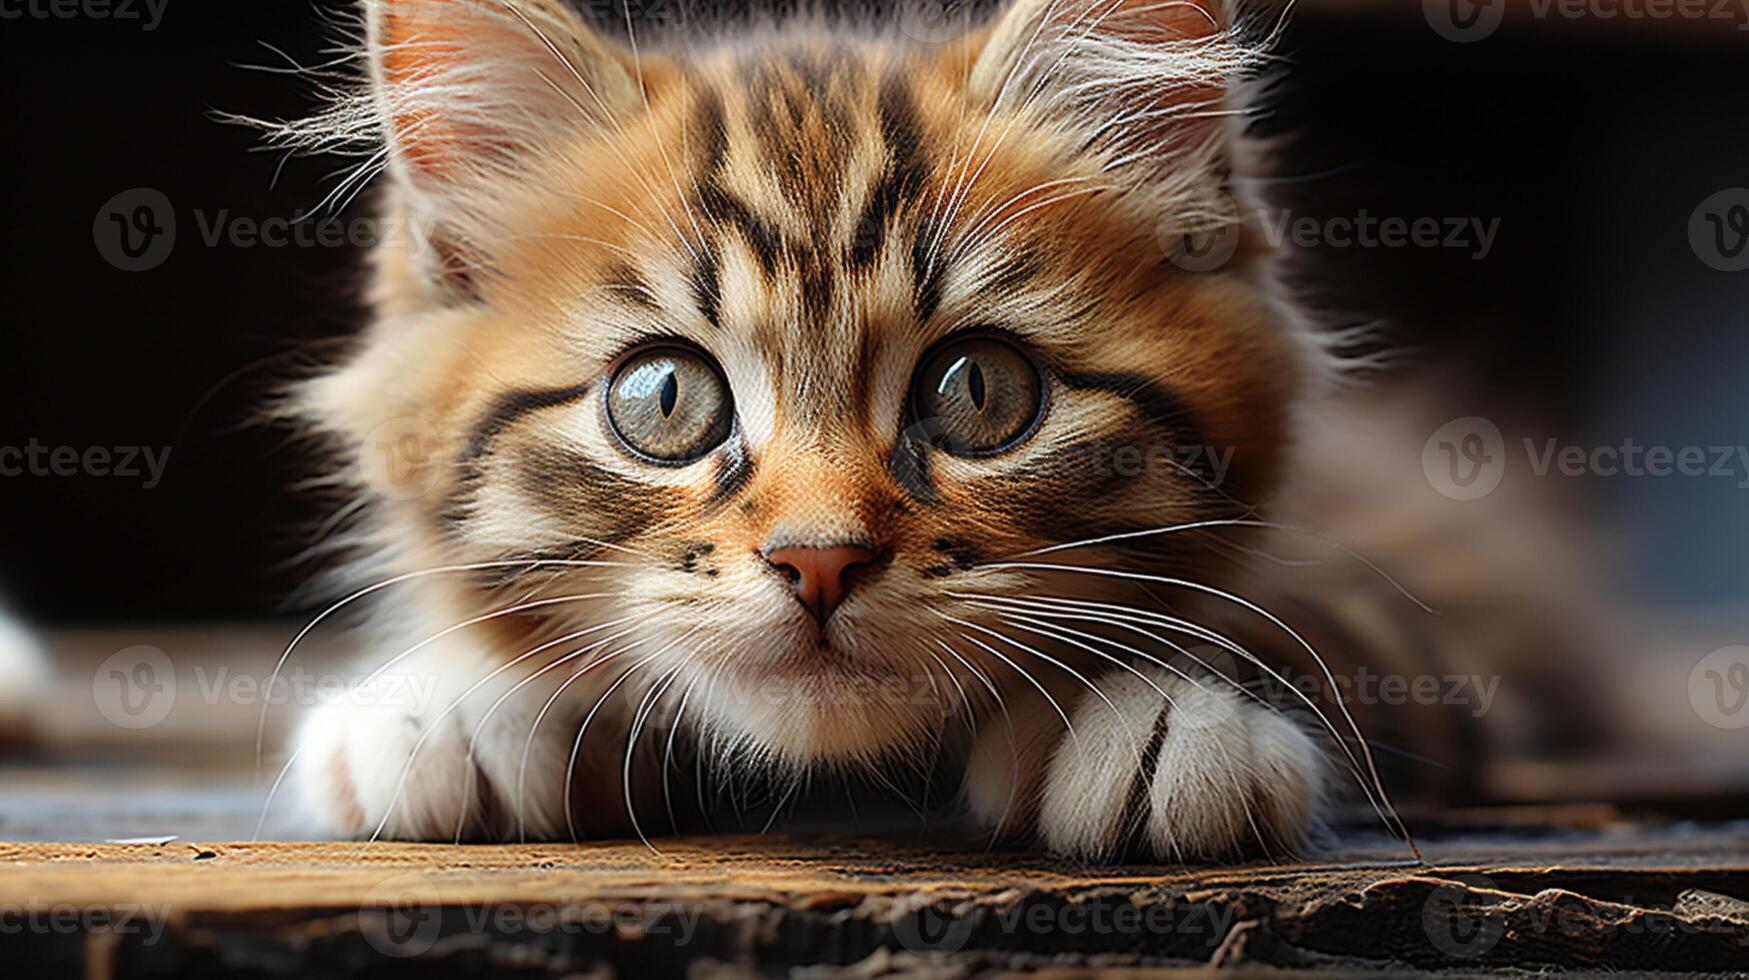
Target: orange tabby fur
{"x": 815, "y": 209}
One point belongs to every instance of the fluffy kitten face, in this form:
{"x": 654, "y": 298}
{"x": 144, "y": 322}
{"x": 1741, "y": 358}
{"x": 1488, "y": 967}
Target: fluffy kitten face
{"x": 680, "y": 313}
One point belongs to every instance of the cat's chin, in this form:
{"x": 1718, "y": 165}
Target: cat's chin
{"x": 807, "y": 714}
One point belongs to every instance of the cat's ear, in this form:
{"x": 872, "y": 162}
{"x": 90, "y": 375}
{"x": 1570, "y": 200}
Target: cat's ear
{"x": 468, "y": 92}
{"x": 1147, "y": 84}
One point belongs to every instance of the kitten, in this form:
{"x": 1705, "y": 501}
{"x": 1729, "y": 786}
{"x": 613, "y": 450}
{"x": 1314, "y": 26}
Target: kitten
{"x": 791, "y": 402}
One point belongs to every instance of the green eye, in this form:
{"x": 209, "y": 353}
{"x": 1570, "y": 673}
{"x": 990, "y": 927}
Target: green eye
{"x": 979, "y": 397}
{"x": 670, "y": 405}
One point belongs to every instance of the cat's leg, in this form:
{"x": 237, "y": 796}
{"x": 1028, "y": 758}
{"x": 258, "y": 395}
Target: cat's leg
{"x": 24, "y": 681}
{"x": 1009, "y": 760}
{"x": 426, "y": 751}
{"x": 1208, "y": 775}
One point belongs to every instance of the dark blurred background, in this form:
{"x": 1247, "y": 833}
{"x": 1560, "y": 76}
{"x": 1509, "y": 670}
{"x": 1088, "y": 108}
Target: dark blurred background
{"x": 1593, "y": 317}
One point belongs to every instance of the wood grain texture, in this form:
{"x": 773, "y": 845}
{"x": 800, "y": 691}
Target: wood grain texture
{"x": 1642, "y": 899}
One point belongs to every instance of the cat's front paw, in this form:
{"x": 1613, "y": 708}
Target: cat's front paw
{"x": 366, "y": 769}
{"x": 1169, "y": 769}
{"x": 354, "y": 772}
{"x": 403, "y": 756}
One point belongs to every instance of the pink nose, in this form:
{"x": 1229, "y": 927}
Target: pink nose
{"x": 818, "y": 574}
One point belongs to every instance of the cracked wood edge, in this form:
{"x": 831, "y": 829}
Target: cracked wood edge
{"x": 776, "y": 901}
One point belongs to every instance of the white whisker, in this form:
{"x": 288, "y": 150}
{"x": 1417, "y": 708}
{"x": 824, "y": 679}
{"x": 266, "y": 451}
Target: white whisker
{"x": 1013, "y": 736}
{"x": 1072, "y": 672}
{"x": 1329, "y": 677}
{"x": 1234, "y": 522}
{"x": 651, "y": 698}
{"x": 577, "y": 745}
{"x": 474, "y": 736}
{"x": 273, "y": 678}
{"x": 980, "y": 644}
{"x": 668, "y": 752}
{"x": 547, "y": 706}
{"x": 273, "y": 791}
{"x": 1219, "y": 639}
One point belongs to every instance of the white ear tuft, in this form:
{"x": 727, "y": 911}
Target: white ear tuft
{"x": 468, "y": 88}
{"x": 1146, "y": 85}
{"x": 463, "y": 96}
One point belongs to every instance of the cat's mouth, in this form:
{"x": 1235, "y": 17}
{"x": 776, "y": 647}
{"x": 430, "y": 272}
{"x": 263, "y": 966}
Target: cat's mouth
{"x": 847, "y": 689}
{"x": 826, "y": 654}
{"x": 813, "y": 651}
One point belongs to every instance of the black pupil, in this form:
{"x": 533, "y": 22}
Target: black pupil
{"x": 670, "y": 394}
{"x": 982, "y": 393}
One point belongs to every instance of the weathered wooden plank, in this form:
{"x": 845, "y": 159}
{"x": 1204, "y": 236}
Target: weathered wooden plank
{"x": 1647, "y": 899}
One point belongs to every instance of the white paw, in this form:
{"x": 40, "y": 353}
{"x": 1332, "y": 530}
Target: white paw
{"x": 366, "y": 769}
{"x": 431, "y": 752}
{"x": 1212, "y": 775}
{"x": 24, "y": 680}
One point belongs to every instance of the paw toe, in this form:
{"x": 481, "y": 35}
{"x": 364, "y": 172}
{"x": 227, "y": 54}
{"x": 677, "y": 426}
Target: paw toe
{"x": 1233, "y": 778}
{"x": 1093, "y": 791}
{"x": 1165, "y": 768}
